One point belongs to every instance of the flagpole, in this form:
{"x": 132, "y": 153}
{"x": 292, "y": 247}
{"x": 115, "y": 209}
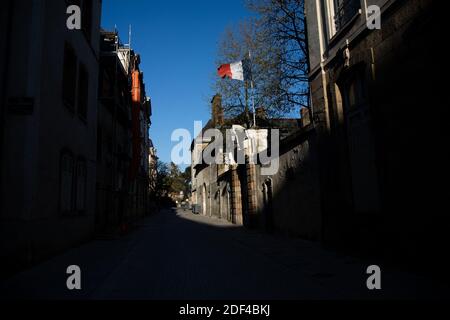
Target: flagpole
{"x": 247, "y": 119}
{"x": 252, "y": 91}
{"x": 253, "y": 103}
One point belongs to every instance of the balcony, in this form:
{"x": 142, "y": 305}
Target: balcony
{"x": 345, "y": 11}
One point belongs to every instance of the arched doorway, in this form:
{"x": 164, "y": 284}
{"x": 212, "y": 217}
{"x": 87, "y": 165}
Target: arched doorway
{"x": 217, "y": 211}
{"x": 355, "y": 116}
{"x": 225, "y": 203}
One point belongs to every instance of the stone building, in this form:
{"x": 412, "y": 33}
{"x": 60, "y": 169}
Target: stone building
{"x": 286, "y": 201}
{"x": 210, "y": 194}
{"x": 48, "y": 128}
{"x": 123, "y": 142}
{"x": 377, "y": 107}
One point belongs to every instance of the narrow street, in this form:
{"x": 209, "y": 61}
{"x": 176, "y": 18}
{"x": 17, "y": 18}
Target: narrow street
{"x": 178, "y": 255}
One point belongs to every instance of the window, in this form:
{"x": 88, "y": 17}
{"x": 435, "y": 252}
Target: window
{"x": 81, "y": 179}
{"x": 83, "y": 92}
{"x": 355, "y": 92}
{"x": 86, "y": 18}
{"x": 69, "y": 77}
{"x": 73, "y": 182}
{"x": 344, "y": 11}
{"x": 66, "y": 182}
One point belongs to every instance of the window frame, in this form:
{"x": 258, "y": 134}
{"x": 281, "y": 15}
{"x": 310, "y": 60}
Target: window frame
{"x": 63, "y": 211}
{"x": 342, "y": 20}
{"x": 69, "y": 81}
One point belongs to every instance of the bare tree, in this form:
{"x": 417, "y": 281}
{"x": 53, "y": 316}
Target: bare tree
{"x": 284, "y": 23}
{"x": 235, "y": 45}
{"x": 277, "y": 41}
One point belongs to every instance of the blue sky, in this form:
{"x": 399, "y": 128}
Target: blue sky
{"x": 178, "y": 42}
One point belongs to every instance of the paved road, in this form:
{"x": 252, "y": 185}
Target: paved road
{"x": 177, "y": 255}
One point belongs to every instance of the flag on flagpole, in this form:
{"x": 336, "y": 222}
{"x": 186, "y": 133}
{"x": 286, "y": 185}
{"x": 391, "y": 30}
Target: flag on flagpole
{"x": 233, "y": 71}
{"x": 240, "y": 70}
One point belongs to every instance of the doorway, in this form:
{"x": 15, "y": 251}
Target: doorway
{"x": 360, "y": 143}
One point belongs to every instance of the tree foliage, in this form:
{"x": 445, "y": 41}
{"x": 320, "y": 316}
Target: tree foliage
{"x": 176, "y": 180}
{"x": 162, "y": 185}
{"x": 170, "y": 179}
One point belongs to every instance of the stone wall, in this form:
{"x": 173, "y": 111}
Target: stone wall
{"x": 289, "y": 201}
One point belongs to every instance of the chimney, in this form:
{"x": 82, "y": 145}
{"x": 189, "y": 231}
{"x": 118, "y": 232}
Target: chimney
{"x": 261, "y": 113}
{"x": 217, "y": 111}
{"x": 305, "y": 117}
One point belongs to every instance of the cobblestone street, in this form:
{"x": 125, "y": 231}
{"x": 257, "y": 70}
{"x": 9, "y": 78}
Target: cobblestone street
{"x": 178, "y": 255}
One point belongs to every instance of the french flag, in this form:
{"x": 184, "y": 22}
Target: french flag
{"x": 235, "y": 71}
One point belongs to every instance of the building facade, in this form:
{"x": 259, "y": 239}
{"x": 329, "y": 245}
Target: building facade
{"x": 48, "y": 128}
{"x": 74, "y": 135}
{"x": 123, "y": 142}
{"x": 114, "y": 150}
{"x": 381, "y": 159}
{"x": 286, "y": 201}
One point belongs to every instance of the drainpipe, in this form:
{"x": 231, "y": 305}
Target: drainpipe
{"x": 308, "y": 70}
